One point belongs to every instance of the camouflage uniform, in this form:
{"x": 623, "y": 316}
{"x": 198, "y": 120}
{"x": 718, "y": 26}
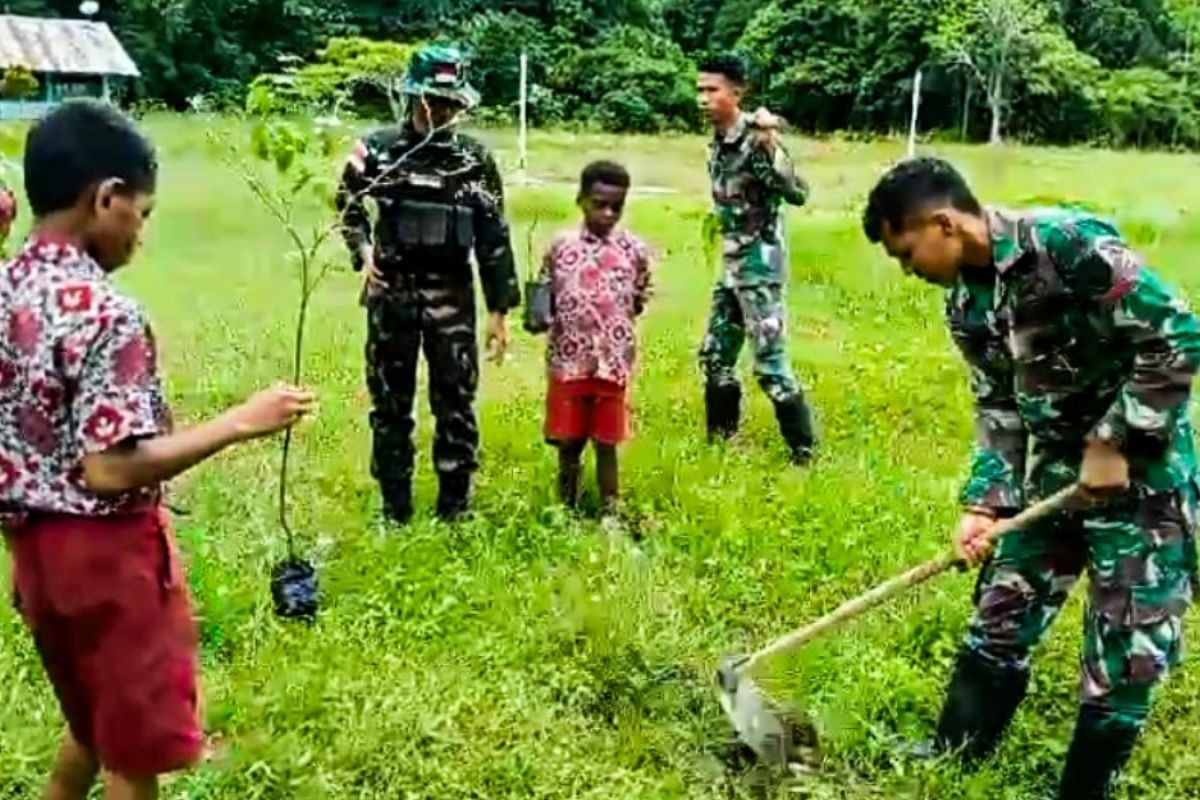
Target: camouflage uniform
{"x": 749, "y": 188}
{"x": 1070, "y": 337}
{"x": 439, "y": 198}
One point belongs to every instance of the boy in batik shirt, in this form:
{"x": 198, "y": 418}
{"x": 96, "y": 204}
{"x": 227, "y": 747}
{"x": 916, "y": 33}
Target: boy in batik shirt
{"x": 85, "y": 444}
{"x": 600, "y": 280}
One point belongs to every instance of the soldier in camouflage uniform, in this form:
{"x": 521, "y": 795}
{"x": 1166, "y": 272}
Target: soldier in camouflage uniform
{"x": 752, "y": 178}
{"x": 1081, "y": 362}
{"x": 439, "y": 199}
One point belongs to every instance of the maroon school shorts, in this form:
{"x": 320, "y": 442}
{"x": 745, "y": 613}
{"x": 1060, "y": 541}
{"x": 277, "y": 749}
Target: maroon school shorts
{"x": 587, "y": 409}
{"x": 106, "y": 602}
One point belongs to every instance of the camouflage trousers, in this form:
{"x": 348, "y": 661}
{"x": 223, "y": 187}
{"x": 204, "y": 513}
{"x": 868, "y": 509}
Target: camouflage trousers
{"x": 1139, "y": 554}
{"x": 400, "y": 325}
{"x": 760, "y": 312}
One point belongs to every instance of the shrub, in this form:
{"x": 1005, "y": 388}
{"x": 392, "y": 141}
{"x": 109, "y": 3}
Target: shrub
{"x": 632, "y": 81}
{"x": 350, "y": 74}
{"x": 19, "y": 83}
{"x": 1145, "y": 107}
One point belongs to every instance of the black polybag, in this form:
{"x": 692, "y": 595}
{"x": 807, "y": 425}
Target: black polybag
{"x": 294, "y": 590}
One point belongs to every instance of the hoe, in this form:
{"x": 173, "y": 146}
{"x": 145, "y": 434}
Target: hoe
{"x": 781, "y": 736}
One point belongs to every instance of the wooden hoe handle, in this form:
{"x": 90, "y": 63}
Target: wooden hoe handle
{"x": 914, "y": 577}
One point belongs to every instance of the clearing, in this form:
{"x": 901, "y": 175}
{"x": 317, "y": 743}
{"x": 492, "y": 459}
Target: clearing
{"x": 524, "y": 656}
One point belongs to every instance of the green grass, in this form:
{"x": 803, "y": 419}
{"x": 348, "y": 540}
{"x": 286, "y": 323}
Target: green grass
{"x": 524, "y": 656}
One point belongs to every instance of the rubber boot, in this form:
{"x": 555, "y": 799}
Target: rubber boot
{"x": 397, "y": 502}
{"x": 980, "y": 703}
{"x": 723, "y": 407}
{"x": 454, "y": 496}
{"x": 796, "y": 425}
{"x": 1099, "y": 751}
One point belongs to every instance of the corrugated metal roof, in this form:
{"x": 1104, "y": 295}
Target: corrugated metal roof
{"x": 65, "y": 46}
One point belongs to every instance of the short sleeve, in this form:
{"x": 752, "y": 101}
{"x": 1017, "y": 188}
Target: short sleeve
{"x": 118, "y": 394}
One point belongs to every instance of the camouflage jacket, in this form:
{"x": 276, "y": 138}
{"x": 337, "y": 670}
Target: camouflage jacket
{"x": 1068, "y": 336}
{"x": 749, "y": 189}
{"x": 437, "y": 202}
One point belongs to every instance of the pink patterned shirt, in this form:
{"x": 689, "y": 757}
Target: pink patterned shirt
{"x": 599, "y": 287}
{"x": 78, "y": 375}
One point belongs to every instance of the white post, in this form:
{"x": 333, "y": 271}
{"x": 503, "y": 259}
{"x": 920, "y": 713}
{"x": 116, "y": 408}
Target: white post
{"x": 523, "y": 144}
{"x": 916, "y": 107}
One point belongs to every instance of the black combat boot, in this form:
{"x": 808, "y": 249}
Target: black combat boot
{"x": 723, "y": 407}
{"x": 1098, "y": 753}
{"x": 397, "y": 502}
{"x": 980, "y": 703}
{"x": 454, "y": 496}
{"x": 796, "y": 425}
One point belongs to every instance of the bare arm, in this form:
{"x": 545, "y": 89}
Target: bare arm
{"x": 139, "y": 463}
{"x": 645, "y": 285}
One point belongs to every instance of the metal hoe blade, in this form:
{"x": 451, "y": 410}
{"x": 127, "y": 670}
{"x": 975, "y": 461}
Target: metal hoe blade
{"x": 775, "y": 735}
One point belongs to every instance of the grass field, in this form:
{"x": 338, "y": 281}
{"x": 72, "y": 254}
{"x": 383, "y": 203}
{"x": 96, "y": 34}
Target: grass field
{"x": 523, "y": 655}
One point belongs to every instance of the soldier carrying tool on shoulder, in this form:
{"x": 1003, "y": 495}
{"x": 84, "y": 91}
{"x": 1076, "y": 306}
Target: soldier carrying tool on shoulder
{"x": 753, "y": 177}
{"x": 439, "y": 199}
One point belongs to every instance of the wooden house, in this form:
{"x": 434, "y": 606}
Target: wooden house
{"x": 69, "y": 57}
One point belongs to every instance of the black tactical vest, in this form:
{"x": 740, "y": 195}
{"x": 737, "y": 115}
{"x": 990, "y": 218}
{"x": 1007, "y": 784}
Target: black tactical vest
{"x": 427, "y": 199}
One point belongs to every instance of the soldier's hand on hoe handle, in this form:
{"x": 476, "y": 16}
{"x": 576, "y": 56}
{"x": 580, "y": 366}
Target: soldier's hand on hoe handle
{"x": 972, "y": 540}
{"x": 979, "y": 529}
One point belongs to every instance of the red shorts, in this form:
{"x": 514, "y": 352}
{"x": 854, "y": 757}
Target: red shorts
{"x": 588, "y": 409}
{"x": 109, "y": 611}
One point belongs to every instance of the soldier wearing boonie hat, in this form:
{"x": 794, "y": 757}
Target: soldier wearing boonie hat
{"x": 440, "y": 199}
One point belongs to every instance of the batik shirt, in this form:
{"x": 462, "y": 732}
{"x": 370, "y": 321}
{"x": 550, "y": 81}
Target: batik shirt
{"x": 78, "y": 375}
{"x": 749, "y": 188}
{"x": 599, "y": 286}
{"x": 1069, "y": 337}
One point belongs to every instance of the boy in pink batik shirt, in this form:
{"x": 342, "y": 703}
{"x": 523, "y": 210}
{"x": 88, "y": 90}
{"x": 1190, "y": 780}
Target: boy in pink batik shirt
{"x": 600, "y": 280}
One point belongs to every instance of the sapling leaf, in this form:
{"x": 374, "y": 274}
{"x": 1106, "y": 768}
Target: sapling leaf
{"x": 285, "y": 156}
{"x": 260, "y": 141}
{"x": 328, "y": 143}
{"x": 325, "y": 191}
